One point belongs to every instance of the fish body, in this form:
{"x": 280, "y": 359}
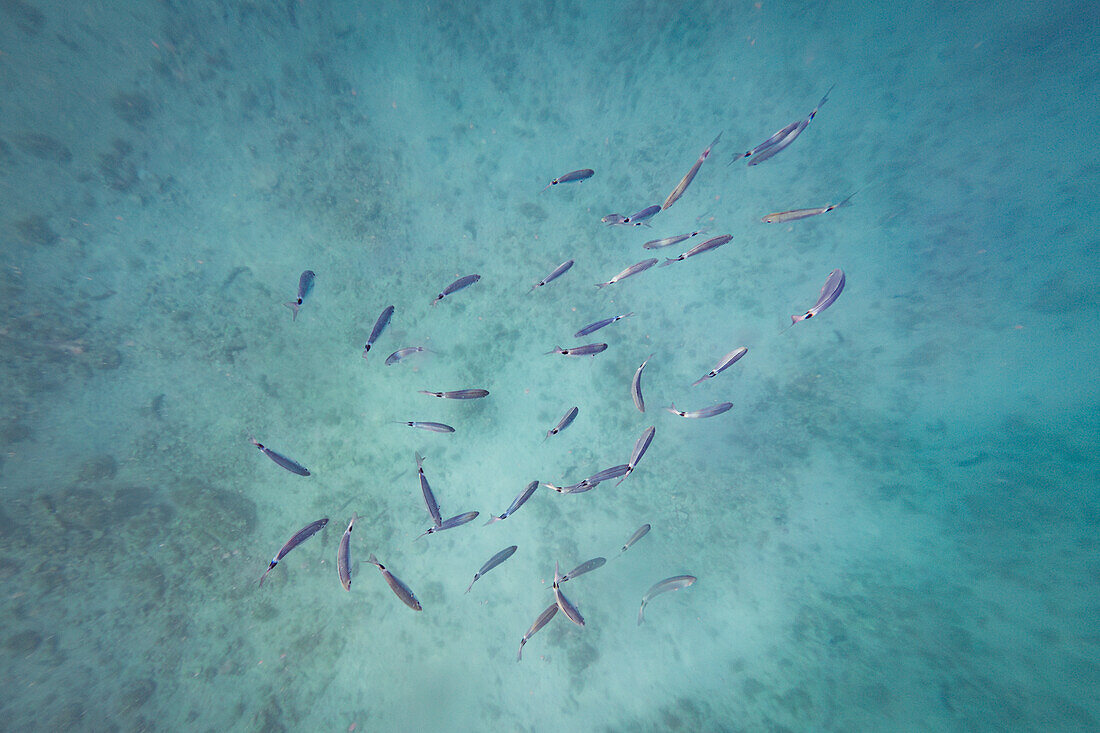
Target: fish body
{"x": 459, "y": 394}
{"x": 491, "y": 563}
{"x": 830, "y": 291}
{"x": 593, "y": 327}
{"x": 586, "y": 350}
{"x": 639, "y": 534}
{"x": 664, "y": 586}
{"x": 641, "y": 445}
{"x": 558, "y": 272}
{"x": 687, "y": 179}
{"x": 426, "y": 490}
{"x": 632, "y": 270}
{"x": 780, "y": 217}
{"x": 281, "y": 460}
{"x": 462, "y": 282}
{"x": 726, "y": 362}
{"x": 343, "y": 555}
{"x": 401, "y": 590}
{"x": 572, "y": 177}
{"x": 401, "y": 354}
{"x": 706, "y": 246}
{"x": 641, "y": 218}
{"x": 636, "y": 386}
{"x": 564, "y": 603}
{"x": 584, "y": 567}
{"x": 669, "y": 241}
{"x": 615, "y": 219}
{"x": 516, "y": 503}
{"x": 456, "y": 521}
{"x": 305, "y": 287}
{"x": 778, "y": 142}
{"x": 566, "y": 420}
{"x": 299, "y": 537}
{"x": 542, "y": 620}
{"x": 435, "y": 427}
{"x": 608, "y": 473}
{"x": 705, "y": 412}
{"x": 379, "y": 327}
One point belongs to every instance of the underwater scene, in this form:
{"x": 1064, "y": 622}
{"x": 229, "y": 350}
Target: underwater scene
{"x": 549, "y": 365}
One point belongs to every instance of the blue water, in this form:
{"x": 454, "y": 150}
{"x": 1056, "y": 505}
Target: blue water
{"x": 895, "y": 527}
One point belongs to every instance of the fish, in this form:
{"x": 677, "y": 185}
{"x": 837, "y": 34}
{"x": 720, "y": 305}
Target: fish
{"x": 462, "y": 282}
{"x": 558, "y": 272}
{"x": 573, "y": 176}
{"x": 435, "y": 427}
{"x": 379, "y": 327}
{"x": 566, "y": 420}
{"x": 642, "y": 532}
{"x": 705, "y": 412}
{"x": 305, "y": 287}
{"x": 491, "y": 563}
{"x": 458, "y": 394}
{"x": 281, "y": 460}
{"x": 614, "y": 219}
{"x": 783, "y": 216}
{"x": 343, "y": 555}
{"x": 686, "y": 180}
{"x": 608, "y": 473}
{"x": 584, "y": 567}
{"x": 668, "y": 584}
{"x": 564, "y": 603}
{"x": 706, "y": 246}
{"x": 426, "y": 490}
{"x": 456, "y": 521}
{"x": 542, "y": 620}
{"x": 577, "y": 488}
{"x": 593, "y": 327}
{"x": 299, "y": 537}
{"x": 401, "y": 354}
{"x": 632, "y": 270}
{"x": 725, "y": 363}
{"x": 400, "y": 589}
{"x": 669, "y": 241}
{"x": 636, "y": 386}
{"x": 516, "y": 503}
{"x": 641, "y": 445}
{"x": 830, "y": 291}
{"x": 782, "y": 138}
{"x": 639, "y": 219}
{"x": 586, "y": 350}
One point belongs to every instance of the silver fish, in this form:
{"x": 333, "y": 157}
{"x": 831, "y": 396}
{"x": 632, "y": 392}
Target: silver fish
{"x": 640, "y": 447}
{"x": 459, "y": 284}
{"x": 459, "y": 394}
{"x": 426, "y": 490}
{"x": 305, "y": 287}
{"x": 674, "y": 583}
{"x": 584, "y": 567}
{"x": 783, "y": 216}
{"x": 669, "y": 241}
{"x": 632, "y": 270}
{"x": 573, "y": 176}
{"x": 706, "y": 246}
{"x": 726, "y": 362}
{"x": 639, "y": 219}
{"x": 608, "y": 473}
{"x": 686, "y": 180}
{"x": 343, "y": 555}
{"x": 435, "y": 427}
{"x": 558, "y": 272}
{"x": 455, "y": 521}
{"x": 542, "y": 620}
{"x": 491, "y": 563}
{"x": 564, "y": 603}
{"x": 782, "y": 138}
{"x": 830, "y": 291}
{"x": 516, "y": 503}
{"x": 566, "y": 420}
{"x": 586, "y": 350}
{"x": 614, "y": 219}
{"x": 379, "y": 327}
{"x": 299, "y": 537}
{"x": 400, "y": 354}
{"x": 642, "y": 532}
{"x": 705, "y": 412}
{"x": 281, "y": 460}
{"x": 636, "y": 386}
{"x": 593, "y": 327}
{"x": 400, "y": 589}
{"x": 577, "y": 488}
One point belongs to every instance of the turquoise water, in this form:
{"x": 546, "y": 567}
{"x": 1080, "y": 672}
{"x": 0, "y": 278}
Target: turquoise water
{"x": 895, "y": 528}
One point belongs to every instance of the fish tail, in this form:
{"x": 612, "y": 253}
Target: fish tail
{"x": 269, "y": 569}
{"x": 294, "y": 307}
{"x": 557, "y": 574}
{"x": 847, "y": 201}
{"x": 373, "y": 560}
{"x": 491, "y": 520}
{"x": 602, "y": 285}
{"x": 698, "y": 381}
{"x": 471, "y": 585}
{"x": 519, "y": 655}
{"x": 667, "y": 261}
{"x": 557, "y": 350}
{"x": 641, "y": 613}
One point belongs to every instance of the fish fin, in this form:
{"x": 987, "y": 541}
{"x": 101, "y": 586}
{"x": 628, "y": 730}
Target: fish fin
{"x": 471, "y": 585}
{"x": 269, "y": 569}
{"x": 602, "y": 285}
{"x": 374, "y": 560}
{"x": 699, "y": 380}
{"x": 557, "y": 575}
{"x": 641, "y": 613}
{"x": 556, "y": 350}
{"x": 429, "y": 530}
{"x": 847, "y": 201}
{"x": 667, "y": 261}
{"x": 294, "y": 307}
{"x": 492, "y": 520}
{"x": 519, "y": 655}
